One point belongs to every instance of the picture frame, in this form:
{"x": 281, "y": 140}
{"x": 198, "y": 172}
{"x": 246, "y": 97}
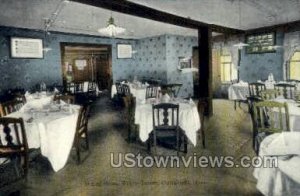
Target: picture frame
{"x": 184, "y": 63}
{"x": 21, "y": 47}
{"x": 124, "y": 51}
{"x": 261, "y": 43}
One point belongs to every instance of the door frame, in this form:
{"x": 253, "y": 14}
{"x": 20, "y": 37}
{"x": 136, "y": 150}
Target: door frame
{"x": 62, "y": 51}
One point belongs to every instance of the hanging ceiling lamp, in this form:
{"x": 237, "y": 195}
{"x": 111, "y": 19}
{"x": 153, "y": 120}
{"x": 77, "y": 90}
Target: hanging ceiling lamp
{"x": 111, "y": 29}
{"x": 241, "y": 44}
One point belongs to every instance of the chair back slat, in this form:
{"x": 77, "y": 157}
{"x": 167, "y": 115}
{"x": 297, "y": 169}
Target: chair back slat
{"x": 152, "y": 91}
{"x": 11, "y": 106}
{"x": 126, "y": 90}
{"x": 255, "y": 88}
{"x": 268, "y": 94}
{"x": 70, "y": 99}
{"x": 271, "y": 117}
{"x": 288, "y": 91}
{"x": 169, "y": 113}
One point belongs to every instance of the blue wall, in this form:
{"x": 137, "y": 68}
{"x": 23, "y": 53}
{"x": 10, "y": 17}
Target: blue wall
{"x": 180, "y": 46}
{"x": 255, "y": 67}
{"x": 28, "y": 72}
{"x": 158, "y": 57}
{"x": 151, "y": 58}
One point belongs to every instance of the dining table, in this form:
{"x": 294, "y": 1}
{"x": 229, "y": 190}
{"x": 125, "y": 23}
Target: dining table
{"x": 283, "y": 178}
{"x": 189, "y": 120}
{"x": 48, "y": 126}
{"x": 240, "y": 91}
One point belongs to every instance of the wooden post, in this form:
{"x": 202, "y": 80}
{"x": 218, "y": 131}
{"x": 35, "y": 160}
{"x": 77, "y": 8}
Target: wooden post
{"x": 205, "y": 68}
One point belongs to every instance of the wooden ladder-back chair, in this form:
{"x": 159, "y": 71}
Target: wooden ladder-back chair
{"x": 288, "y": 91}
{"x": 13, "y": 150}
{"x": 81, "y": 132}
{"x": 152, "y": 91}
{"x": 269, "y": 117}
{"x": 166, "y": 125}
{"x": 268, "y": 94}
{"x": 11, "y": 106}
{"x": 69, "y": 99}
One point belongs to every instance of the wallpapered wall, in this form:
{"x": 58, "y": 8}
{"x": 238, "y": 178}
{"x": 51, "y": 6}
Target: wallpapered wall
{"x": 28, "y": 72}
{"x": 151, "y": 58}
{"x": 155, "y": 57}
{"x": 158, "y": 57}
{"x": 180, "y": 46}
{"x": 258, "y": 66}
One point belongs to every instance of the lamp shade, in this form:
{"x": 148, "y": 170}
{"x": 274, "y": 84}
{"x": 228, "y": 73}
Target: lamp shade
{"x": 111, "y": 29}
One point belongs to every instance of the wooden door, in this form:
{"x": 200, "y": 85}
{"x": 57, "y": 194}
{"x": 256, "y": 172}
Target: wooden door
{"x": 81, "y": 62}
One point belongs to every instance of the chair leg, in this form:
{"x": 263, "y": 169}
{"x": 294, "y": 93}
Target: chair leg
{"x": 203, "y": 137}
{"x": 149, "y": 143}
{"x": 26, "y": 166}
{"x": 185, "y": 144}
{"x": 234, "y": 104}
{"x": 87, "y": 141}
{"x": 78, "y": 149}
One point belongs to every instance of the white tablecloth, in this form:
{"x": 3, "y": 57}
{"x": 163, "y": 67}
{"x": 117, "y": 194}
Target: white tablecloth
{"x": 285, "y": 179}
{"x": 188, "y": 120}
{"x": 240, "y": 91}
{"x": 52, "y": 130}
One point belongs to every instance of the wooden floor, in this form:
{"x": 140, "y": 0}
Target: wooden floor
{"x": 228, "y": 133}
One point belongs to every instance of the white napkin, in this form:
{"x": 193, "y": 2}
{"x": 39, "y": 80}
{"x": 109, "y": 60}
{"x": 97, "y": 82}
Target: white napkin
{"x": 55, "y": 90}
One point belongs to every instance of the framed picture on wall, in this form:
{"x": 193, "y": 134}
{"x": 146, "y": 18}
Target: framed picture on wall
{"x": 124, "y": 51}
{"x": 26, "y": 48}
{"x": 184, "y": 63}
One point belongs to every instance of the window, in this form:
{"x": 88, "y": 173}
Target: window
{"x": 228, "y": 71}
{"x": 295, "y": 66}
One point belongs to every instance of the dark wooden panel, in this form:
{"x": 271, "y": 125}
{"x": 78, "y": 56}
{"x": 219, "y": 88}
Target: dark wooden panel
{"x": 153, "y": 14}
{"x": 205, "y": 67}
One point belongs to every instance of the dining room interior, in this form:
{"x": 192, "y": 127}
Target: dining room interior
{"x": 96, "y": 95}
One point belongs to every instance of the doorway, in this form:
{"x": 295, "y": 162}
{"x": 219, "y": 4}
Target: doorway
{"x": 87, "y": 62}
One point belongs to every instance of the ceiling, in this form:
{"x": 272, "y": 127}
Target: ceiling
{"x": 79, "y": 18}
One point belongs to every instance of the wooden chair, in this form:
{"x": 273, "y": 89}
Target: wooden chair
{"x": 255, "y": 88}
{"x": 81, "y": 132}
{"x": 268, "y": 94}
{"x": 269, "y": 117}
{"x": 166, "y": 126}
{"x": 11, "y": 106}
{"x": 70, "y": 88}
{"x": 14, "y": 150}
{"x": 78, "y": 87}
{"x": 119, "y": 88}
{"x": 152, "y": 92}
{"x": 288, "y": 91}
{"x": 126, "y": 90}
{"x": 201, "y": 109}
{"x": 91, "y": 91}
{"x": 172, "y": 89}
{"x": 70, "y": 99}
